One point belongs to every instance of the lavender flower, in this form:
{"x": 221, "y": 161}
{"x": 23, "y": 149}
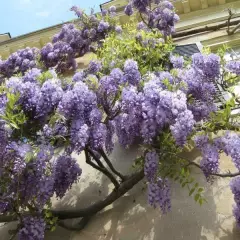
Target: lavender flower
{"x": 33, "y": 228}
{"x": 159, "y": 194}
{"x": 67, "y": 172}
{"x": 79, "y": 76}
{"x": 210, "y": 160}
{"x": 112, "y": 9}
{"x": 103, "y": 26}
{"x": 234, "y": 67}
{"x": 94, "y": 66}
{"x": 131, "y": 73}
{"x": 128, "y": 10}
{"x": 77, "y": 11}
{"x": 118, "y": 29}
{"x": 151, "y": 165}
{"x": 177, "y": 61}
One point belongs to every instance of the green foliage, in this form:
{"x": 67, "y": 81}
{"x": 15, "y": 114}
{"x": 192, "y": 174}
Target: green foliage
{"x": 44, "y": 76}
{"x": 13, "y": 115}
{"x": 118, "y": 48}
{"x": 222, "y": 119}
{"x": 51, "y": 221}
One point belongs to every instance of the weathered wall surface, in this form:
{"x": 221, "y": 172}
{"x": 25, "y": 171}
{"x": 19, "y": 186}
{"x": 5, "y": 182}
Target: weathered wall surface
{"x": 131, "y": 218}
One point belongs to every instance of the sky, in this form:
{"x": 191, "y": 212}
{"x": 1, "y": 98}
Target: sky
{"x": 23, "y": 16}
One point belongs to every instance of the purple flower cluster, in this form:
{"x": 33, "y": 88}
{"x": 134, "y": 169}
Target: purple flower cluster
{"x": 234, "y": 67}
{"x": 210, "y": 155}
{"x": 159, "y": 194}
{"x": 145, "y": 113}
{"x": 19, "y": 62}
{"x": 161, "y": 17}
{"x": 50, "y": 95}
{"x": 151, "y": 165}
{"x": 177, "y": 62}
{"x": 32, "y": 75}
{"x": 77, "y": 102}
{"x": 128, "y": 9}
{"x": 210, "y": 160}
{"x": 132, "y": 74}
{"x": 207, "y": 65}
{"x": 235, "y": 187}
{"x": 118, "y": 29}
{"x": 77, "y": 10}
{"x": 98, "y": 136}
{"x": 94, "y": 66}
{"x": 164, "y": 18}
{"x": 182, "y": 127}
{"x": 66, "y": 172}
{"x": 141, "y": 5}
{"x": 33, "y": 228}
{"x": 230, "y": 144}
{"x": 103, "y": 26}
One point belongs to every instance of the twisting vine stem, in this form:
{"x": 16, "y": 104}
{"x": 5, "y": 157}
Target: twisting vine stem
{"x": 101, "y": 169}
{"x": 110, "y": 165}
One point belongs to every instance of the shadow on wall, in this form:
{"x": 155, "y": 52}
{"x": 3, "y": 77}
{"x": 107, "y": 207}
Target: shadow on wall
{"x": 131, "y": 218}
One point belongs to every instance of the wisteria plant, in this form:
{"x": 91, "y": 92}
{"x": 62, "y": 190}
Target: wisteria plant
{"x": 135, "y": 92}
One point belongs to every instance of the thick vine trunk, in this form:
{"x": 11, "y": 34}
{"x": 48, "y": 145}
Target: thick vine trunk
{"x": 94, "y": 208}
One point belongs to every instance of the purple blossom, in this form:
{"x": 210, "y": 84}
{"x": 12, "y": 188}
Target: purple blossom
{"x": 50, "y": 95}
{"x": 159, "y": 194}
{"x": 98, "y": 136}
{"x": 201, "y": 141}
{"x": 79, "y": 76}
{"x": 177, "y": 62}
{"x": 104, "y": 12}
{"x": 103, "y": 26}
{"x": 79, "y": 135}
{"x": 112, "y": 9}
{"x": 94, "y": 66}
{"x": 182, "y": 127}
{"x": 235, "y": 187}
{"x": 208, "y": 65}
{"x": 151, "y": 165}
{"x": 230, "y": 144}
{"x": 30, "y": 94}
{"x": 118, "y": 29}
{"x": 131, "y": 72}
{"x": 128, "y": 10}
{"x": 234, "y": 67}
{"x": 141, "y": 25}
{"x": 117, "y": 75}
{"x": 66, "y": 172}
{"x": 141, "y": 5}
{"x": 77, "y": 102}
{"x": 77, "y": 11}
{"x": 210, "y": 160}
{"x": 33, "y": 228}
{"x": 31, "y": 75}
{"x": 236, "y": 213}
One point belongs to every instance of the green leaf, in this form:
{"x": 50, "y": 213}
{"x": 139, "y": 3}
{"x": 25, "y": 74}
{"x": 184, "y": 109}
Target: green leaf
{"x": 196, "y": 185}
{"x": 14, "y": 125}
{"x": 48, "y": 214}
{"x": 197, "y": 196}
{"x": 191, "y": 191}
{"x": 200, "y": 190}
